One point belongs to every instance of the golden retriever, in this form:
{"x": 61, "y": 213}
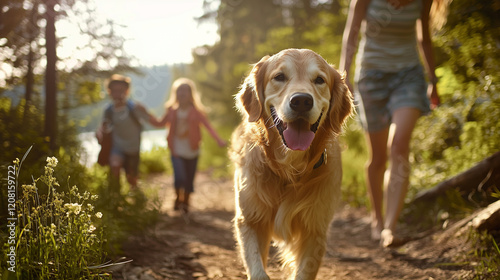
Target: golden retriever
{"x": 287, "y": 160}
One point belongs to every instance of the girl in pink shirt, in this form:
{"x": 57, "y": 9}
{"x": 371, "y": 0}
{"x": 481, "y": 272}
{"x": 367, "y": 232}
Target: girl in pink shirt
{"x": 184, "y": 116}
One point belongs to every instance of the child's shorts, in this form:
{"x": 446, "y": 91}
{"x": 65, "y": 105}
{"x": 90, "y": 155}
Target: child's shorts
{"x": 381, "y": 93}
{"x": 129, "y": 162}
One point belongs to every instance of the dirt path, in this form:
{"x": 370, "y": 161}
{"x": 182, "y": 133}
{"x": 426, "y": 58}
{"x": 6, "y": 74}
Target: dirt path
{"x": 202, "y": 245}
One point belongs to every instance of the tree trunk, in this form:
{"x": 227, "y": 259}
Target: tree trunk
{"x": 50, "y": 75}
{"x": 30, "y": 79}
{"x": 479, "y": 177}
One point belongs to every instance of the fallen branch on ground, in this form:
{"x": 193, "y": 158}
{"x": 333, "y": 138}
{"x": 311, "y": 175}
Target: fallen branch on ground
{"x": 480, "y": 177}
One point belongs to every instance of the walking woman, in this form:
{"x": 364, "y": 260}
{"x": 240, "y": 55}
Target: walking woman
{"x": 392, "y": 91}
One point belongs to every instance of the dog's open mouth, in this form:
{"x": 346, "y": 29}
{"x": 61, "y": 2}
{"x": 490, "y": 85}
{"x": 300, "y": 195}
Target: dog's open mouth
{"x": 296, "y": 135}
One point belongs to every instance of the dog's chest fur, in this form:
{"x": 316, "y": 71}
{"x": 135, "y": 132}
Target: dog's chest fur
{"x": 284, "y": 181}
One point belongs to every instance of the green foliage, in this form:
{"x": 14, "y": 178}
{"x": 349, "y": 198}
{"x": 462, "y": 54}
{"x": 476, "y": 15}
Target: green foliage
{"x": 277, "y": 39}
{"x": 59, "y": 235}
{"x": 89, "y": 92}
{"x": 22, "y": 127}
{"x": 354, "y": 159}
{"x": 157, "y": 160}
{"x": 213, "y": 158}
{"x": 485, "y": 253}
{"x": 465, "y": 129}
{"x": 470, "y": 40}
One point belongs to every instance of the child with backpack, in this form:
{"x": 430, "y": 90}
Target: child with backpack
{"x": 122, "y": 121}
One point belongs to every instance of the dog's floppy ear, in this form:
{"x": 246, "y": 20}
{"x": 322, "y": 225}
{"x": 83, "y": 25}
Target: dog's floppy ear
{"x": 251, "y": 96}
{"x": 341, "y": 100}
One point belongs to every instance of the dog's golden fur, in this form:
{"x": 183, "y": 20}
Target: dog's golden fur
{"x": 285, "y": 194}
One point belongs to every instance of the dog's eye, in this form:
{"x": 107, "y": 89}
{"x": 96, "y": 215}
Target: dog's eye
{"x": 319, "y": 80}
{"x": 280, "y": 77}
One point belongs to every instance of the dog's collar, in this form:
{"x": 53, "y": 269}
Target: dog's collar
{"x": 321, "y": 161}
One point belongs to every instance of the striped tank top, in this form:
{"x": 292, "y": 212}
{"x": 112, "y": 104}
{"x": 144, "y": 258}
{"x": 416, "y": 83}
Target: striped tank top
{"x": 389, "y": 41}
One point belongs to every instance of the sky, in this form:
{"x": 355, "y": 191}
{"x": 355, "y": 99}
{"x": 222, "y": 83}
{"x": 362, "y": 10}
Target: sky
{"x": 158, "y": 32}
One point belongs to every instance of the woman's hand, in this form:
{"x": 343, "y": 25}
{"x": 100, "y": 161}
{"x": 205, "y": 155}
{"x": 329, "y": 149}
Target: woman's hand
{"x": 433, "y": 96}
{"x": 221, "y": 143}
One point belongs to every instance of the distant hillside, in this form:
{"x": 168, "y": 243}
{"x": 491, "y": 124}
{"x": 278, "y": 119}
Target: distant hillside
{"x": 150, "y": 89}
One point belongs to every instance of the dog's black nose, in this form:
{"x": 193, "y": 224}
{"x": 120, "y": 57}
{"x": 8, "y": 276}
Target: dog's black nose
{"x": 301, "y": 102}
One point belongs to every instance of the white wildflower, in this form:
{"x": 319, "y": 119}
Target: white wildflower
{"x": 52, "y": 161}
{"x": 92, "y": 228}
{"x": 73, "y": 208}
{"x": 98, "y": 215}
{"x": 53, "y": 229}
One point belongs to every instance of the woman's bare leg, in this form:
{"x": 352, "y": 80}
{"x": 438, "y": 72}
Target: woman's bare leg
{"x": 375, "y": 170}
{"x": 404, "y": 121}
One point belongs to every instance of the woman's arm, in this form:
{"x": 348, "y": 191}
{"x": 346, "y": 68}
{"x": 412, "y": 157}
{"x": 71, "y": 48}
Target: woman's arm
{"x": 425, "y": 46}
{"x": 357, "y": 12}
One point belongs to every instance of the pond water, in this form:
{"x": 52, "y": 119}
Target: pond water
{"x": 150, "y": 139}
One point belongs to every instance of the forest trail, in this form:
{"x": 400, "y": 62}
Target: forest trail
{"x": 201, "y": 245}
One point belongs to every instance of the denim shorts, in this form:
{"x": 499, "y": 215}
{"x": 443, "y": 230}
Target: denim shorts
{"x": 380, "y": 93}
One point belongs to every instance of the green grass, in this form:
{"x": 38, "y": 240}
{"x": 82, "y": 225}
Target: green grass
{"x": 59, "y": 234}
{"x": 484, "y": 255}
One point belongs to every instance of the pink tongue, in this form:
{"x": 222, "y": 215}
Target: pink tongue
{"x": 298, "y": 135}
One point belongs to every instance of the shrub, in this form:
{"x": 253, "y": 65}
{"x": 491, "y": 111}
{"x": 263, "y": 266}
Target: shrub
{"x": 157, "y": 160}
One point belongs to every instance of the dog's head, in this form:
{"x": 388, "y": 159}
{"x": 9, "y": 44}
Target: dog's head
{"x": 298, "y": 93}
